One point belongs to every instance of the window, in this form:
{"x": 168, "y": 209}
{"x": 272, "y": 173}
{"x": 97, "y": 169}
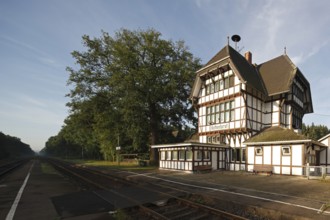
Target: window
{"x": 181, "y": 155}
{"x": 223, "y": 112}
{"x": 216, "y": 86}
{"x": 189, "y": 155}
{"x": 286, "y": 151}
{"x": 198, "y": 155}
{"x": 226, "y": 83}
{"x": 162, "y": 155}
{"x": 217, "y": 139}
{"x": 231, "y": 81}
{"x": 221, "y": 84}
{"x": 236, "y": 154}
{"x": 243, "y": 155}
{"x": 206, "y": 155}
{"x": 232, "y": 110}
{"x": 211, "y": 88}
{"x": 297, "y": 119}
{"x": 175, "y": 155}
{"x": 258, "y": 151}
{"x": 168, "y": 155}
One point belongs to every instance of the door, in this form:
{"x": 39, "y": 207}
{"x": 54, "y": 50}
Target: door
{"x": 214, "y": 160}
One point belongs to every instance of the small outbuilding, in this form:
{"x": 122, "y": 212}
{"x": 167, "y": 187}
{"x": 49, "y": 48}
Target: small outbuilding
{"x": 192, "y": 156}
{"x": 284, "y": 150}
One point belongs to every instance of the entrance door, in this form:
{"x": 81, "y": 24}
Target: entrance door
{"x": 214, "y": 160}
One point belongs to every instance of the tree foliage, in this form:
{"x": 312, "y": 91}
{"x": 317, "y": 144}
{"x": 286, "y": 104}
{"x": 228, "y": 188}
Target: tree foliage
{"x": 315, "y": 132}
{"x": 13, "y": 147}
{"x": 132, "y": 88}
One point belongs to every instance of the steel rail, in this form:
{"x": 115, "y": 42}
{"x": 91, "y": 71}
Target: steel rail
{"x": 73, "y": 170}
{"x": 154, "y": 214}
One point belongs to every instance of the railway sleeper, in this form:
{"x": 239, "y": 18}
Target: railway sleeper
{"x": 186, "y": 215}
{"x": 175, "y": 212}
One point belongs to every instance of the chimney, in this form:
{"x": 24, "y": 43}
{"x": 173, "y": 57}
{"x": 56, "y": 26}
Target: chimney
{"x": 248, "y": 57}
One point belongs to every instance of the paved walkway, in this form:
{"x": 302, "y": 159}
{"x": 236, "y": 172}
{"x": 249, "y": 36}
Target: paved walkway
{"x": 43, "y": 186}
{"x": 290, "y": 185}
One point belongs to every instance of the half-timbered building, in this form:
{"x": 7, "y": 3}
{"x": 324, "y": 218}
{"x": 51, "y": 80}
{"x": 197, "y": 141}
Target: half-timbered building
{"x": 239, "y": 103}
{"x": 325, "y": 154}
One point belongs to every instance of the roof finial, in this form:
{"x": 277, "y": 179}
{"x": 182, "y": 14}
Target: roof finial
{"x": 284, "y": 50}
{"x": 228, "y": 40}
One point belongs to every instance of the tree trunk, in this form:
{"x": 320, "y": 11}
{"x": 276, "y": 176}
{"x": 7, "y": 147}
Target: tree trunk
{"x": 154, "y": 156}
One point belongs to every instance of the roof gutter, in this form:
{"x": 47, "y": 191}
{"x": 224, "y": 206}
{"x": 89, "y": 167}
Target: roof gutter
{"x": 285, "y": 142}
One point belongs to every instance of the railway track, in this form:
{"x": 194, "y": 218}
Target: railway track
{"x": 173, "y": 207}
{"x": 10, "y": 166}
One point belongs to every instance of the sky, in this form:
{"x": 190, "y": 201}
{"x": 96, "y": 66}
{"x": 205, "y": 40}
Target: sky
{"x": 38, "y": 36}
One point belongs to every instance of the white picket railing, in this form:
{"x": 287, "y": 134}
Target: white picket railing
{"x": 317, "y": 172}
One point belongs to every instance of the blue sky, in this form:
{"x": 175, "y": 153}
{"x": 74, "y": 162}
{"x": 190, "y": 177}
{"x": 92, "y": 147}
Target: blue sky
{"x": 37, "y": 37}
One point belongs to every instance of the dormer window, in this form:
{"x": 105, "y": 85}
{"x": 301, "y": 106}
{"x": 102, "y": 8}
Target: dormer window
{"x": 220, "y": 84}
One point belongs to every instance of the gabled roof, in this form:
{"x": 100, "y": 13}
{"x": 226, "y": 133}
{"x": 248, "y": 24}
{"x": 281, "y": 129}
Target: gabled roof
{"x": 242, "y": 68}
{"x": 278, "y": 75}
{"x": 271, "y": 78}
{"x": 324, "y": 137}
{"x": 279, "y": 135}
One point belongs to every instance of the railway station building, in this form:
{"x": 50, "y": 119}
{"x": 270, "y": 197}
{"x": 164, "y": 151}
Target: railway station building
{"x": 249, "y": 116}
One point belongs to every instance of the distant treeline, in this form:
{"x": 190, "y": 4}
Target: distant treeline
{"x": 315, "y": 132}
{"x": 13, "y": 147}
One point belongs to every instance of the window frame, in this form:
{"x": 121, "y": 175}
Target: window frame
{"x": 198, "y": 155}
{"x": 163, "y": 155}
{"x": 260, "y": 152}
{"x": 189, "y": 155}
{"x": 168, "y": 155}
{"x": 286, "y": 153}
{"x": 206, "y": 155}
{"x": 175, "y": 155}
{"x": 182, "y": 154}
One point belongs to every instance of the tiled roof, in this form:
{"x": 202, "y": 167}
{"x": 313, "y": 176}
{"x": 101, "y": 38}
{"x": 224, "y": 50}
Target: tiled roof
{"x": 277, "y": 74}
{"x": 246, "y": 71}
{"x": 276, "y": 134}
{"x": 280, "y": 135}
{"x": 271, "y": 78}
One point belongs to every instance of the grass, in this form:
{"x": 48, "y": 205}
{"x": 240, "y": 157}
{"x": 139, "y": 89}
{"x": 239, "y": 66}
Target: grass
{"x": 134, "y": 166}
{"x": 46, "y": 168}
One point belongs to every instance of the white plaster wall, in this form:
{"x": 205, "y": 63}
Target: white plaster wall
{"x": 250, "y": 153}
{"x": 202, "y": 139}
{"x": 267, "y": 155}
{"x": 258, "y": 159}
{"x": 296, "y": 151}
{"x": 276, "y": 155}
{"x": 286, "y": 170}
{"x": 275, "y": 118}
{"x": 286, "y": 160}
{"x": 277, "y": 169}
{"x": 250, "y": 168}
{"x": 297, "y": 171}
{"x": 188, "y": 166}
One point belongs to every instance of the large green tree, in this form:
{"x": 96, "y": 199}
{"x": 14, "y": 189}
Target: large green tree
{"x": 136, "y": 85}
